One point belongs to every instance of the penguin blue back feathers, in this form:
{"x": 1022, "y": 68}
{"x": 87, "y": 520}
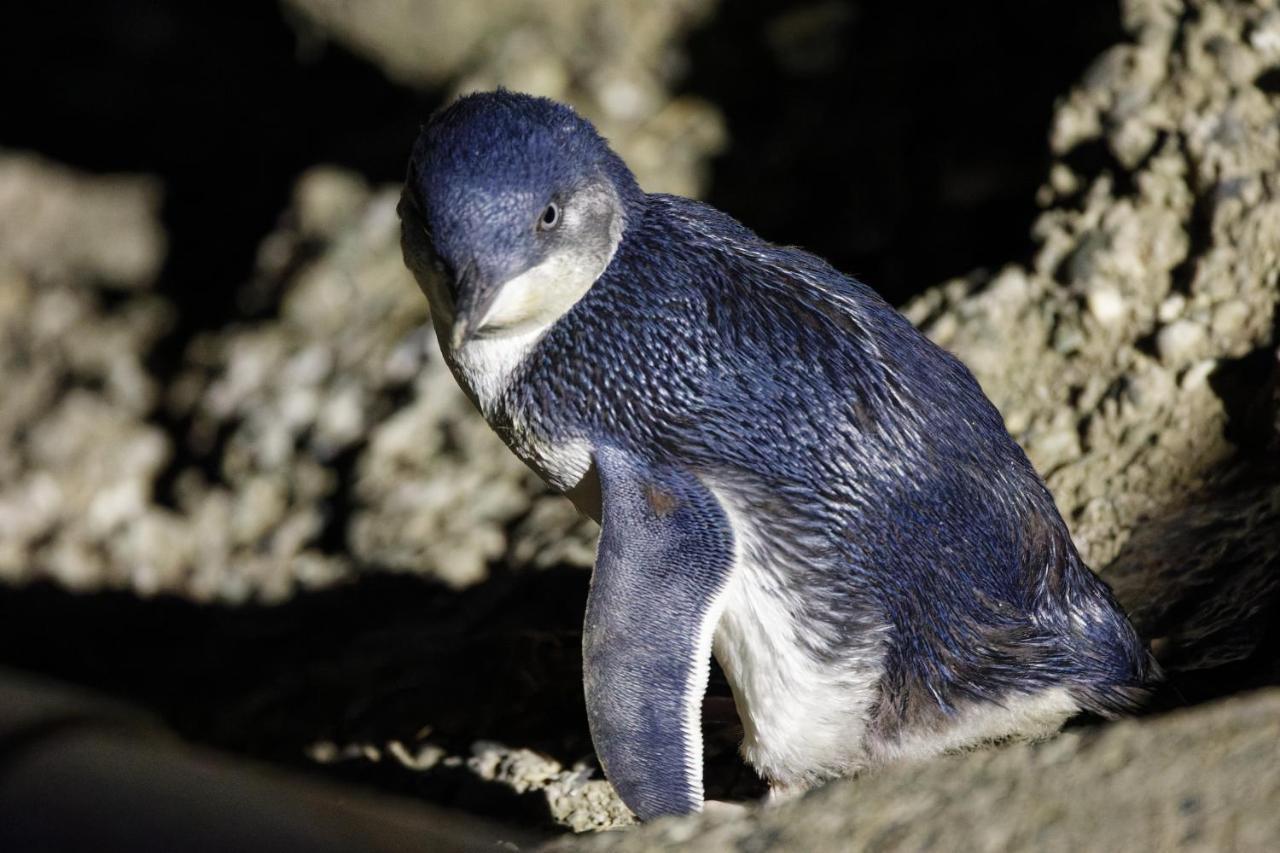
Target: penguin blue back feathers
{"x": 787, "y": 473}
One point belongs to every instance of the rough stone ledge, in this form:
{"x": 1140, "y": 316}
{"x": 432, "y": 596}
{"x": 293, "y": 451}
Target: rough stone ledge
{"x": 1207, "y": 778}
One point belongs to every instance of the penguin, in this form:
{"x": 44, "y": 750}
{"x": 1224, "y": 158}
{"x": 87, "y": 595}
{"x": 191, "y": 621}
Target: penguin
{"x": 787, "y": 473}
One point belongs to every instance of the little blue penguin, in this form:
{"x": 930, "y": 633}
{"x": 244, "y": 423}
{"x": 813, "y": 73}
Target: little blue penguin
{"x": 787, "y": 474}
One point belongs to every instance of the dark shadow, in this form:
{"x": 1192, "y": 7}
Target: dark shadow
{"x": 369, "y": 662}
{"x": 903, "y": 143}
{"x": 373, "y": 661}
{"x": 1203, "y": 584}
{"x": 1269, "y": 81}
{"x": 1202, "y": 580}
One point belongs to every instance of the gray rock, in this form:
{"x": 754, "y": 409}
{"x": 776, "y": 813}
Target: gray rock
{"x": 343, "y": 403}
{"x": 1139, "y": 267}
{"x": 337, "y": 412}
{"x": 349, "y": 370}
{"x": 58, "y": 225}
{"x": 79, "y": 458}
{"x": 615, "y": 62}
{"x": 1203, "y": 779}
{"x": 1182, "y": 342}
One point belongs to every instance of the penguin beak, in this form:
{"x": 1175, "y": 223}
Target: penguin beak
{"x": 474, "y": 296}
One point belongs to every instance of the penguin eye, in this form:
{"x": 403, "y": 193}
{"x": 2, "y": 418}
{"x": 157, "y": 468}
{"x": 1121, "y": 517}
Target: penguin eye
{"x": 550, "y": 217}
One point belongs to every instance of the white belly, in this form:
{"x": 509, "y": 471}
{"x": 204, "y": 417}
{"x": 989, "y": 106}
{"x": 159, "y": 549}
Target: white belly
{"x": 804, "y": 721}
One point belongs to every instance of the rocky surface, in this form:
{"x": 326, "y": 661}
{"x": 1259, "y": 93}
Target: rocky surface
{"x": 573, "y": 798}
{"x": 79, "y": 457}
{"x": 322, "y": 440}
{"x": 1158, "y": 264}
{"x": 615, "y": 62}
{"x": 326, "y": 440}
{"x": 1205, "y": 779}
{"x": 58, "y": 225}
{"x": 340, "y": 413}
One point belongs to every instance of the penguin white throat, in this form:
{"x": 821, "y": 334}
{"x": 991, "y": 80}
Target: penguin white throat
{"x": 528, "y": 304}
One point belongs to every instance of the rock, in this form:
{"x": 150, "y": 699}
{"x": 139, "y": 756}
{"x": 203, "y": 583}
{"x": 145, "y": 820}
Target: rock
{"x": 424, "y": 42}
{"x": 338, "y": 421}
{"x": 1230, "y": 320}
{"x": 1181, "y": 342}
{"x": 340, "y": 415}
{"x": 58, "y": 225}
{"x": 437, "y": 488}
{"x": 1192, "y": 254}
{"x": 1202, "y": 779}
{"x": 573, "y": 798}
{"x": 615, "y": 62}
{"x": 1106, "y": 304}
{"x": 80, "y": 457}
{"x": 324, "y": 441}
{"x": 575, "y": 801}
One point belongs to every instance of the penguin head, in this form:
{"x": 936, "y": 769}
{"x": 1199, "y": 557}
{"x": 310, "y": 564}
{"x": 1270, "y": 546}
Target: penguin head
{"x": 513, "y": 207}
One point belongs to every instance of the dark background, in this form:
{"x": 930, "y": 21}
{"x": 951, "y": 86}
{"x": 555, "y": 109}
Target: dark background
{"x": 904, "y": 142}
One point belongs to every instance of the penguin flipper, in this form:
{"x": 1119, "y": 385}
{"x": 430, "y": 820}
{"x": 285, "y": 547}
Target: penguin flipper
{"x": 665, "y": 556}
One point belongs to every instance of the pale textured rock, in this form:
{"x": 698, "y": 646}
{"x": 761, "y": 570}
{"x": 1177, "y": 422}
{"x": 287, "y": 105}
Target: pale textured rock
{"x": 1187, "y": 259}
{"x": 1204, "y": 779}
{"x": 79, "y": 459}
{"x": 615, "y": 62}
{"x": 59, "y": 225}
{"x": 350, "y": 370}
{"x": 337, "y": 413}
{"x": 573, "y": 798}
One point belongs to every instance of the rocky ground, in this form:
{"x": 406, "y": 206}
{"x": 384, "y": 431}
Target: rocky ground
{"x": 297, "y": 540}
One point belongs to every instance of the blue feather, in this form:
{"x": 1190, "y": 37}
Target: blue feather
{"x": 724, "y": 352}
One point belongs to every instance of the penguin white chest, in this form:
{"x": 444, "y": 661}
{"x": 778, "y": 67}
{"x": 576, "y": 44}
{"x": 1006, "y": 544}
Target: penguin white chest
{"x": 804, "y": 719}
{"x": 485, "y": 368}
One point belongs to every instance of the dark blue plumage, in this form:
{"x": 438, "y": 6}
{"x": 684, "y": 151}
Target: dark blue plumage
{"x": 784, "y": 462}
